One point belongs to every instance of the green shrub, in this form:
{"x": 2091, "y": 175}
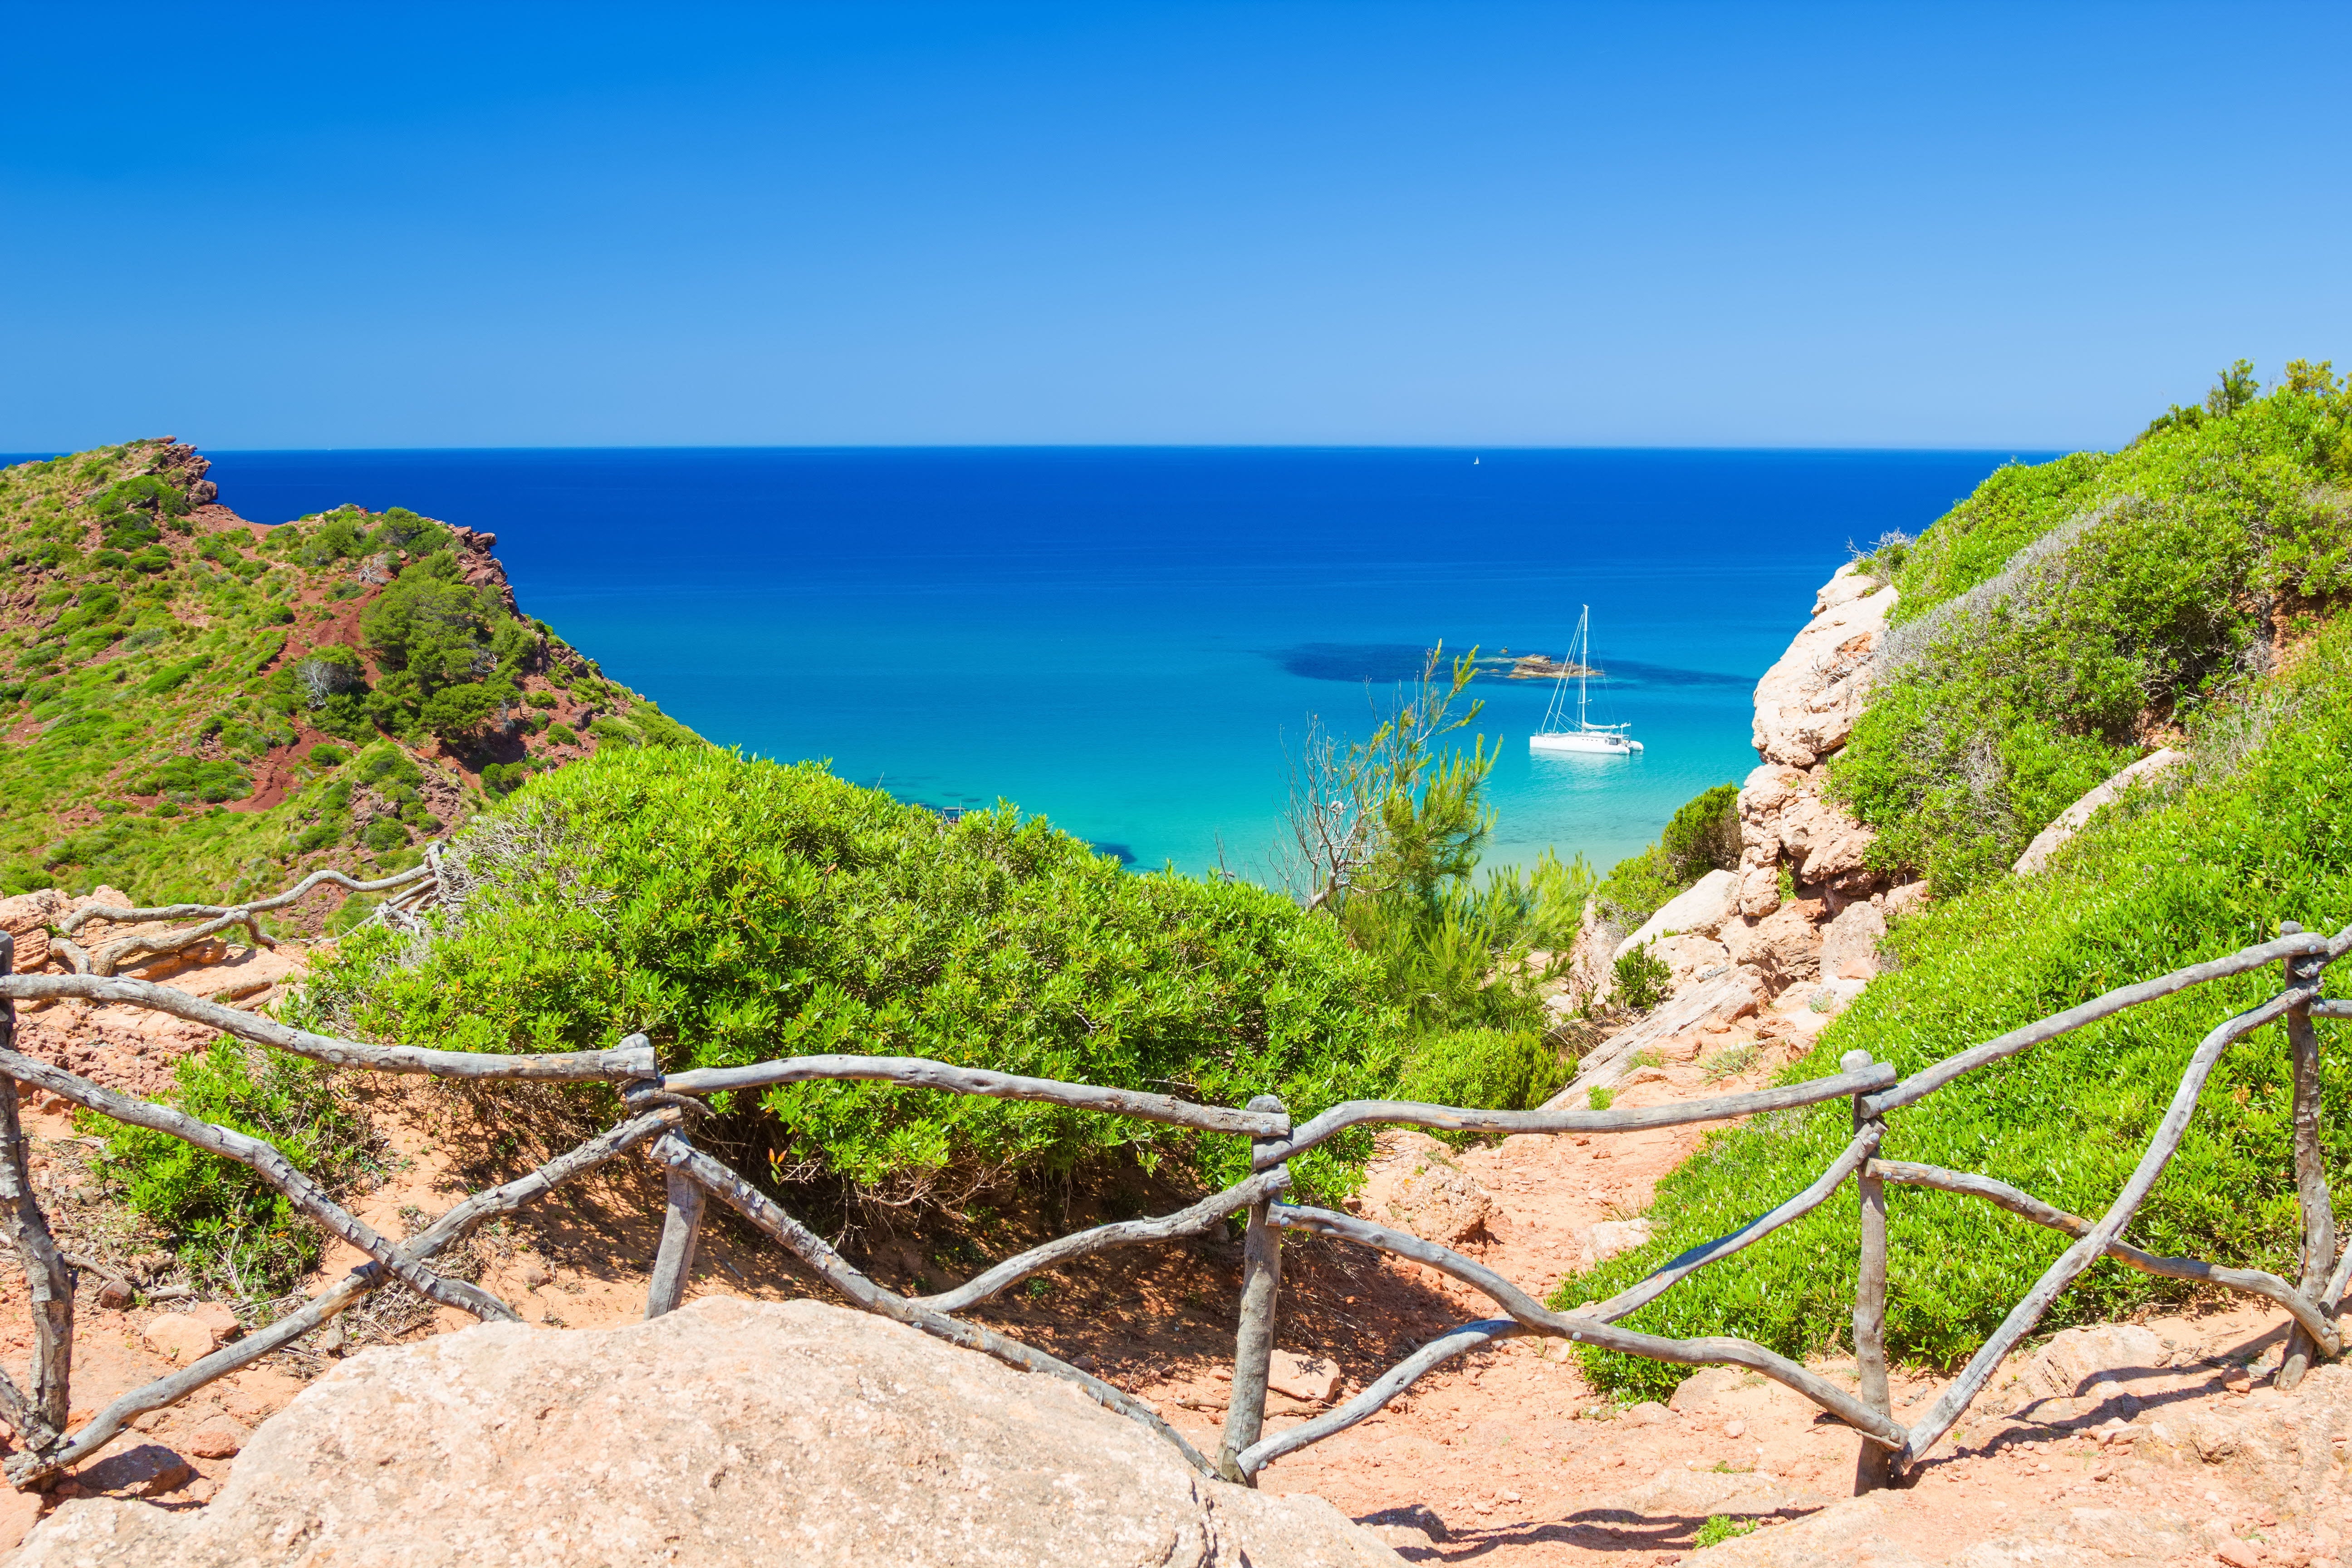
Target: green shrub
{"x": 562, "y": 735}
{"x": 326, "y": 754}
{"x": 1484, "y": 1069}
{"x": 227, "y": 1225}
{"x": 1643, "y": 979}
{"x": 505, "y": 778}
{"x": 2256, "y": 831}
{"x": 385, "y": 835}
{"x": 1720, "y": 1527}
{"x": 738, "y": 910}
{"x": 615, "y": 733}
{"x": 542, "y": 700}
{"x": 192, "y": 778}
{"x": 458, "y": 712}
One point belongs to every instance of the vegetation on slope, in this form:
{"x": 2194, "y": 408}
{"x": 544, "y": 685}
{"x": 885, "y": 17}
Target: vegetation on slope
{"x": 2069, "y": 614}
{"x": 2231, "y": 539}
{"x": 194, "y": 706}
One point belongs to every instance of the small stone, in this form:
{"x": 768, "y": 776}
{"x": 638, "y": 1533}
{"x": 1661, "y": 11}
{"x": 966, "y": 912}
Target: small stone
{"x": 219, "y": 1439}
{"x": 143, "y": 1471}
{"x": 535, "y": 1274}
{"x": 179, "y": 1338}
{"x": 116, "y": 1294}
{"x": 219, "y": 1317}
{"x": 1314, "y": 1379}
{"x": 2239, "y": 1554}
{"x": 1734, "y": 1428}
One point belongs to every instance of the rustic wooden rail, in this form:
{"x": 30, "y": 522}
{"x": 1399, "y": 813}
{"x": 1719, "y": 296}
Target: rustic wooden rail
{"x": 658, "y": 1104}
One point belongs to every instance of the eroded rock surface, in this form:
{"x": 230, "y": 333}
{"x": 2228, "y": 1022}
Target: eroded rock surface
{"x": 729, "y": 1432}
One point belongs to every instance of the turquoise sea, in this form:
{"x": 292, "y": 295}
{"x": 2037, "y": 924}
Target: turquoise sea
{"x": 1126, "y": 640}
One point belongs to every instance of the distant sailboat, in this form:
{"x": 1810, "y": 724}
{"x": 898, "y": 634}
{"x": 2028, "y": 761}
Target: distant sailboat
{"x": 1604, "y": 740}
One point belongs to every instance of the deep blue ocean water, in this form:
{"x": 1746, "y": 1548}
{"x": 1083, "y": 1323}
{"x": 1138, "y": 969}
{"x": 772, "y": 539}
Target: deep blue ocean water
{"x": 1125, "y": 640}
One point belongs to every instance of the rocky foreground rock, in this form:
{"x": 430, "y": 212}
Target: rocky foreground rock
{"x": 729, "y": 1432}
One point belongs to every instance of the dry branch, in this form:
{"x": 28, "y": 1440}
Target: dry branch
{"x": 1938, "y": 1418}
{"x": 1353, "y": 1113}
{"x": 1533, "y": 1315}
{"x": 721, "y": 1182}
{"x": 1920, "y": 1085}
{"x": 1202, "y": 1216}
{"x": 113, "y": 916}
{"x": 1383, "y": 1388}
{"x": 1634, "y": 1297}
{"x": 2310, "y": 1171}
{"x": 622, "y": 1063}
{"x": 25, "y": 1469}
{"x": 2254, "y": 1281}
{"x": 918, "y": 1072}
{"x": 263, "y": 1161}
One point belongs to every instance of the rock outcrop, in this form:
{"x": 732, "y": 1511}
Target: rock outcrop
{"x": 1807, "y": 703}
{"x": 2069, "y": 822}
{"x": 729, "y": 1432}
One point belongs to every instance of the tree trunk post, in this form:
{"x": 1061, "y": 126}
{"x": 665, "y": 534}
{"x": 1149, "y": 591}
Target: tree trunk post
{"x": 48, "y": 1280}
{"x": 1253, "y": 1339}
{"x": 681, "y": 1229}
{"x": 1875, "y": 1466}
{"x": 2310, "y": 1167}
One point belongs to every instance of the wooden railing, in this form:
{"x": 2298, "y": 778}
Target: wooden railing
{"x": 659, "y": 1105}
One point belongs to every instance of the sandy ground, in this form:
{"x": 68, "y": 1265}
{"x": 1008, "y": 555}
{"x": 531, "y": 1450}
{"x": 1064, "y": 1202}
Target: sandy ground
{"x": 1506, "y": 1456}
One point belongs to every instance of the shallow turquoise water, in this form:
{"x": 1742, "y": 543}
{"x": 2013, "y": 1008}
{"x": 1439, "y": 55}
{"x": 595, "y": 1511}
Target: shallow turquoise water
{"x": 1126, "y": 640}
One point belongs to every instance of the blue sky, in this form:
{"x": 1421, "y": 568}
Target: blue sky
{"x": 1665, "y": 224}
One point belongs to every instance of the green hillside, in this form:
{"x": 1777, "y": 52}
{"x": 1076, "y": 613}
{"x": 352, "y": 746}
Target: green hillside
{"x": 197, "y": 706}
{"x": 2069, "y": 614}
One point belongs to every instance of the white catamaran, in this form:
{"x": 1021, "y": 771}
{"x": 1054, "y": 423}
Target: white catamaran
{"x": 1606, "y": 739}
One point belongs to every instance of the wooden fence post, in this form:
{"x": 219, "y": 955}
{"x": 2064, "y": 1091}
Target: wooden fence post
{"x": 2310, "y": 1166}
{"x": 1253, "y": 1339}
{"x": 48, "y": 1280}
{"x": 1875, "y": 1465}
{"x": 681, "y": 1229}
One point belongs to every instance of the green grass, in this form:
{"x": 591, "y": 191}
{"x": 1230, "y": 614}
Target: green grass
{"x": 2257, "y": 832}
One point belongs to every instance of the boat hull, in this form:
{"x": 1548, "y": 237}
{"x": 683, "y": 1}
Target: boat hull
{"x": 1587, "y": 745}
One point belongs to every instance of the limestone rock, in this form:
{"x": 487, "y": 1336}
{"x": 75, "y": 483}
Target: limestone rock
{"x": 1850, "y": 942}
{"x": 1807, "y": 703}
{"x": 2070, "y": 822}
{"x": 730, "y": 1432}
{"x": 29, "y": 911}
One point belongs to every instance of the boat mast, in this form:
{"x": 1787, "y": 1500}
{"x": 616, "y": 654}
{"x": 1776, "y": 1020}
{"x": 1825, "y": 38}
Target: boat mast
{"x": 1583, "y": 663}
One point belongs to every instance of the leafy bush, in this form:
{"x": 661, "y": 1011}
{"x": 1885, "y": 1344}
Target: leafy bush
{"x": 2257, "y": 830}
{"x": 193, "y": 778}
{"x": 1487, "y": 1070}
{"x": 542, "y": 700}
{"x": 1643, "y": 979}
{"x": 562, "y": 735}
{"x": 612, "y": 731}
{"x": 458, "y": 712}
{"x": 227, "y": 1225}
{"x": 736, "y": 911}
{"x": 505, "y": 778}
{"x": 326, "y": 754}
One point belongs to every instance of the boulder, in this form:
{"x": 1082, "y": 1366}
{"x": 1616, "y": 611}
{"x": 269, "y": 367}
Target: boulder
{"x": 1612, "y": 1236}
{"x": 2071, "y": 821}
{"x": 1807, "y": 703}
{"x": 1698, "y": 909}
{"x": 729, "y": 1432}
{"x": 1781, "y": 949}
{"x": 175, "y": 1336}
{"x": 2076, "y": 1359}
{"x": 1440, "y": 1202}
